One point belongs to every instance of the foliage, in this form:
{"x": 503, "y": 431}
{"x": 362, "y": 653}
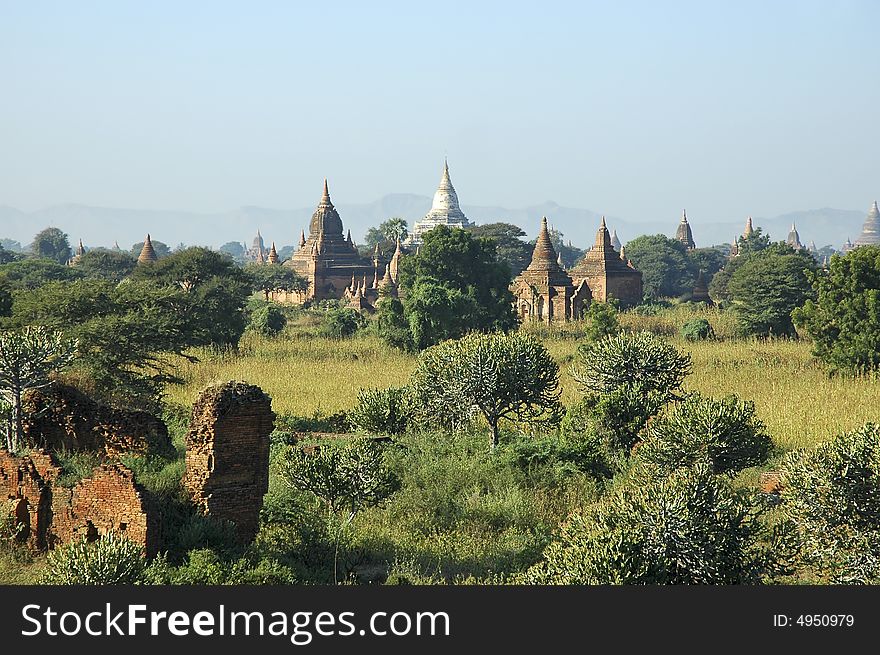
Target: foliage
{"x": 268, "y": 320}
{"x": 267, "y": 278}
{"x": 708, "y": 260}
{"x": 387, "y": 234}
{"x": 498, "y": 375}
{"x": 614, "y": 418}
{"x": 106, "y": 265}
{"x": 7, "y": 256}
{"x": 381, "y": 411}
{"x": 509, "y": 246}
{"x": 724, "y": 433}
{"x": 636, "y": 360}
{"x": 697, "y": 329}
{"x": 844, "y": 319}
{"x": 111, "y": 559}
{"x": 29, "y": 274}
{"x": 600, "y": 320}
{"x": 768, "y": 287}
{"x": 664, "y": 265}
{"x": 234, "y": 249}
{"x": 342, "y": 322}
{"x": 51, "y": 243}
{"x": 453, "y": 285}
{"x": 391, "y": 325}
{"x": 691, "y": 527}
{"x": 28, "y": 358}
{"x": 831, "y": 495}
{"x": 756, "y": 242}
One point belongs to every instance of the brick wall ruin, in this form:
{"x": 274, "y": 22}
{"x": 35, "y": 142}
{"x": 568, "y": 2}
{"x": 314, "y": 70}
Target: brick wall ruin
{"x": 227, "y": 454}
{"x": 52, "y": 515}
{"x": 62, "y": 417}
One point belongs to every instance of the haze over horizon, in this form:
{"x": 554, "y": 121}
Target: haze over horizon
{"x": 634, "y": 110}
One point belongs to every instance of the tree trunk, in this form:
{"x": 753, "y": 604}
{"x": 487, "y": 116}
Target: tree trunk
{"x": 494, "y": 435}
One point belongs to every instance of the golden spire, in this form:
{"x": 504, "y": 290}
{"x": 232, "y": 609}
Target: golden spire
{"x": 273, "y": 254}
{"x": 302, "y": 238}
{"x": 148, "y": 254}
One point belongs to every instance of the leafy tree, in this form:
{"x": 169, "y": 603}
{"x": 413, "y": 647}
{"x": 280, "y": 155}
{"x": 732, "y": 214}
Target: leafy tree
{"x": 510, "y": 247}
{"x": 342, "y": 322}
{"x": 125, "y": 332}
{"x": 5, "y": 298}
{"x": 10, "y": 245}
{"x": 217, "y": 287}
{"x": 162, "y": 249}
{"x": 498, "y": 375}
{"x": 691, "y": 527}
{"x": 755, "y": 243}
{"x": 768, "y": 287}
{"x": 348, "y": 478}
{"x": 708, "y": 260}
{"x": 844, "y": 319}
{"x": 268, "y": 278}
{"x": 387, "y": 234}
{"x": 106, "y": 264}
{"x": 831, "y": 497}
{"x": 640, "y": 360}
{"x": 28, "y": 358}
{"x": 112, "y": 559}
{"x": 51, "y": 243}
{"x": 697, "y": 329}
{"x": 666, "y": 271}
{"x": 391, "y": 325}
{"x": 7, "y": 256}
{"x": 28, "y": 274}
{"x": 455, "y": 284}
{"x": 234, "y": 249}
{"x": 381, "y": 411}
{"x": 601, "y": 320}
{"x": 724, "y": 433}
{"x": 268, "y": 320}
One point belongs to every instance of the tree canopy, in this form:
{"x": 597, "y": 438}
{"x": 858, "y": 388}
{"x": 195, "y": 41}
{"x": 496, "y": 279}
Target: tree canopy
{"x": 110, "y": 265}
{"x": 666, "y": 270}
{"x": 51, "y": 243}
{"x": 509, "y": 246}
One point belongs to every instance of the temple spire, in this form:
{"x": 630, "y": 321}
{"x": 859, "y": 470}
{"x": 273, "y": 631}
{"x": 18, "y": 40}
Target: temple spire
{"x": 148, "y": 254}
{"x": 749, "y": 229}
{"x": 273, "y": 254}
{"x": 325, "y": 199}
{"x": 302, "y": 238}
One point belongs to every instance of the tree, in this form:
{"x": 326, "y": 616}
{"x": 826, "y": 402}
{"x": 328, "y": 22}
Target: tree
{"x": 28, "y": 358}
{"x": 268, "y": 320}
{"x": 725, "y": 433}
{"x": 666, "y": 272}
{"x": 768, "y": 287}
{"x": 455, "y": 284}
{"x": 218, "y": 288}
{"x": 7, "y": 256}
{"x": 234, "y": 249}
{"x": 29, "y": 274}
{"x": 753, "y": 244}
{"x": 347, "y": 478}
{"x": 381, "y": 411}
{"x": 691, "y": 527}
{"x": 601, "y": 320}
{"x": 11, "y": 245}
{"x": 162, "y": 249}
{"x": 498, "y": 375}
{"x": 387, "y": 234}
{"x": 106, "y": 264}
{"x": 509, "y": 246}
{"x": 268, "y": 278}
{"x": 844, "y": 319}
{"x": 708, "y": 260}
{"x": 391, "y": 325}
{"x": 51, "y": 243}
{"x": 831, "y": 497}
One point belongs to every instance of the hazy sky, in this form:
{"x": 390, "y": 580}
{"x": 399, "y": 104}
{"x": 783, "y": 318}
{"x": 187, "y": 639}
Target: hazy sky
{"x": 634, "y": 109}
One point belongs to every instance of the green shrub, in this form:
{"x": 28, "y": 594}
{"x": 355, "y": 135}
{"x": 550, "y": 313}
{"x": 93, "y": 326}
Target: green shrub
{"x": 553, "y": 458}
{"x": 616, "y": 418}
{"x": 111, "y": 559}
{"x": 831, "y": 495}
{"x": 381, "y": 411}
{"x": 268, "y": 320}
{"x": 601, "y": 320}
{"x": 639, "y": 360}
{"x": 697, "y": 329}
{"x": 342, "y": 323}
{"x": 691, "y": 527}
{"x": 725, "y": 433}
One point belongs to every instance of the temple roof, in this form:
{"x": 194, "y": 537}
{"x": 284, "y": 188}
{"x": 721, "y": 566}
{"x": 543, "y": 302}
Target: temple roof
{"x": 749, "y": 229}
{"x": 148, "y": 254}
{"x": 683, "y": 233}
{"x": 273, "y": 255}
{"x": 615, "y": 241}
{"x": 871, "y": 229}
{"x": 445, "y": 209}
{"x": 794, "y": 239}
{"x": 326, "y": 218}
{"x": 601, "y": 258}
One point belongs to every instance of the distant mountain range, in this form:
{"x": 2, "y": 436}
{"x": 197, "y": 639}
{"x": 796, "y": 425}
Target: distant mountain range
{"x": 101, "y": 226}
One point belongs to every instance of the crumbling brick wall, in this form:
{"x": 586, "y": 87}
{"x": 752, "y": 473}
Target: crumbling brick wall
{"x": 25, "y": 486}
{"x": 53, "y": 515}
{"x": 227, "y": 454}
{"x": 62, "y": 417}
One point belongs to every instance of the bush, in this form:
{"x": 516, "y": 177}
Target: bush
{"x": 381, "y": 411}
{"x": 831, "y": 496}
{"x": 342, "y": 323}
{"x": 639, "y": 360}
{"x": 601, "y": 320}
{"x": 563, "y": 457}
{"x": 691, "y": 527}
{"x": 725, "y": 433}
{"x": 616, "y": 419}
{"x": 268, "y": 320}
{"x": 697, "y": 329}
{"x": 112, "y": 559}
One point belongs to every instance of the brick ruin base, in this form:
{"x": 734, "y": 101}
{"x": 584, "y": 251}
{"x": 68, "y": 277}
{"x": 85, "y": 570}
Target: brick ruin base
{"x": 52, "y": 515}
{"x": 227, "y": 454}
{"x": 62, "y": 417}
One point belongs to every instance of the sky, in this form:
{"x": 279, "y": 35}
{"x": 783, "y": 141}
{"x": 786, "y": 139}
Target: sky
{"x": 633, "y": 109}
